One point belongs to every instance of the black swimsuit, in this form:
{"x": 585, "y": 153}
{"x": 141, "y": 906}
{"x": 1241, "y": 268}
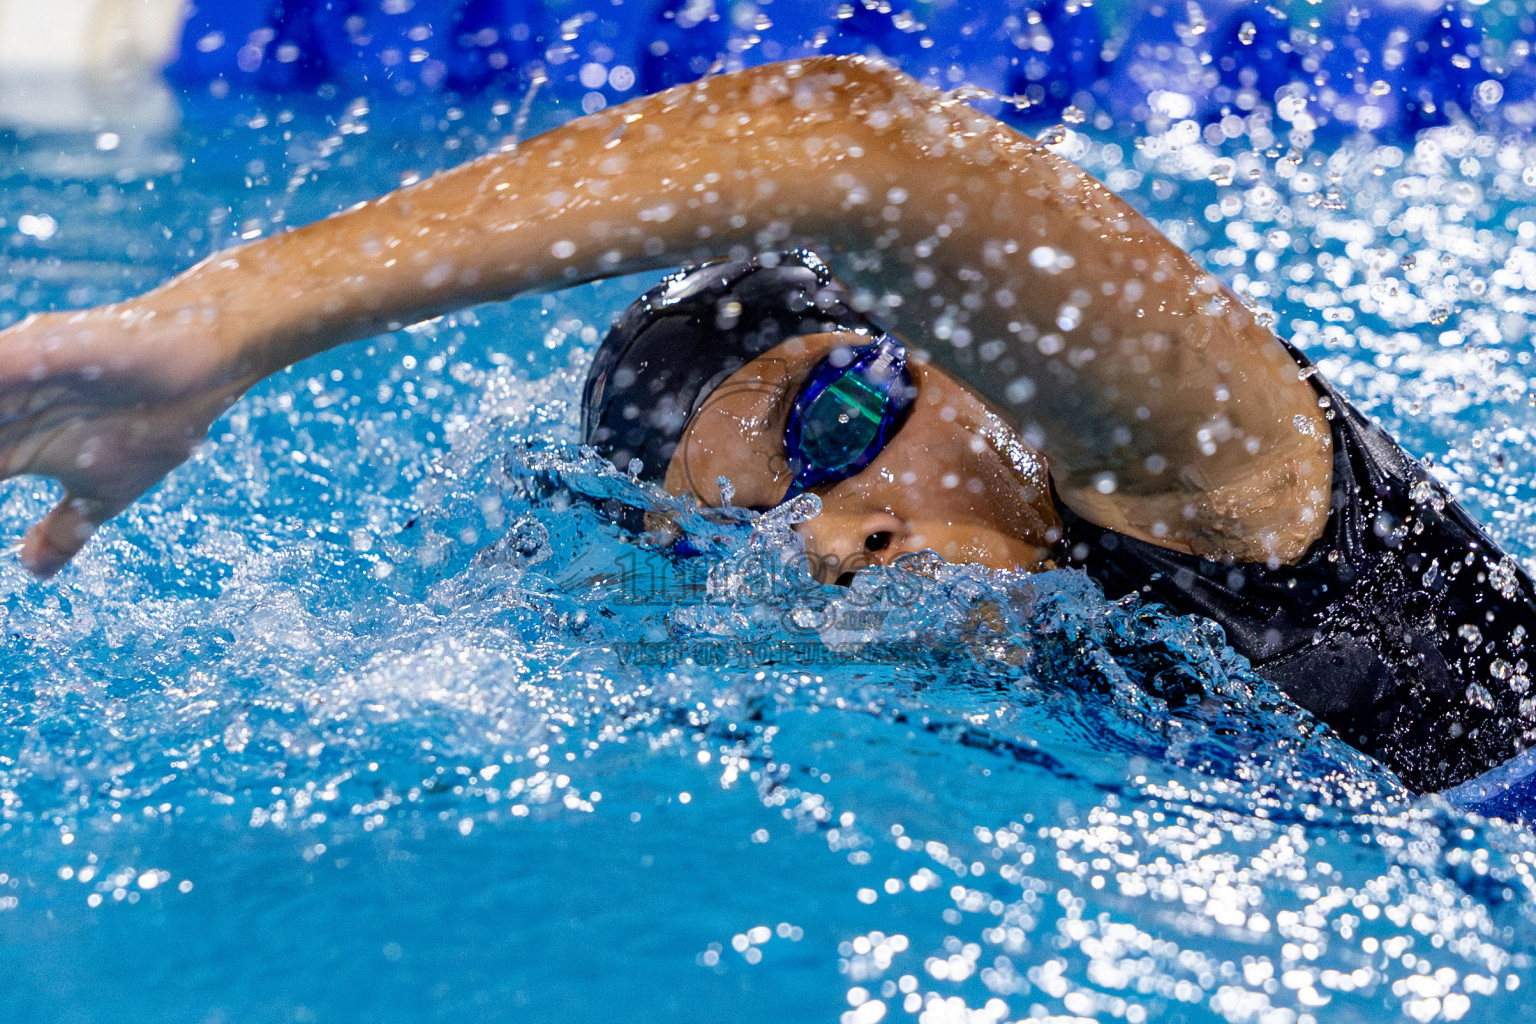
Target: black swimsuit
{"x": 1404, "y": 627}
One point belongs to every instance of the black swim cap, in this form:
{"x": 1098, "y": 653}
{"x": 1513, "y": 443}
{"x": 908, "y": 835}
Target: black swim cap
{"x": 684, "y": 337}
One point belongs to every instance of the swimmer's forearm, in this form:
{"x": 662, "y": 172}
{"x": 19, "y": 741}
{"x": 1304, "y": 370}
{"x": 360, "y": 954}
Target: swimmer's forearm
{"x": 815, "y": 153}
{"x": 663, "y": 180}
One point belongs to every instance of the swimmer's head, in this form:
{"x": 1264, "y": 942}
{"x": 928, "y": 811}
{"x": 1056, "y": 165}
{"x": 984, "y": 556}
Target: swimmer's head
{"x": 762, "y": 373}
{"x": 679, "y": 341}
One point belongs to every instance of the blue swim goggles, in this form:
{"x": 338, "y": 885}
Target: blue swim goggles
{"x": 849, "y": 408}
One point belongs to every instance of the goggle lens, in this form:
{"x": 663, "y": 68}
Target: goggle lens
{"x": 846, "y": 414}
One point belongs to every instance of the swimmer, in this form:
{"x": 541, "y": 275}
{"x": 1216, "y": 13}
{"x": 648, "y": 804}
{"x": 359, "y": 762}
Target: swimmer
{"x": 1000, "y": 361}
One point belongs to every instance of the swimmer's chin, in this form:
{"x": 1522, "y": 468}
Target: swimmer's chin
{"x": 1000, "y": 552}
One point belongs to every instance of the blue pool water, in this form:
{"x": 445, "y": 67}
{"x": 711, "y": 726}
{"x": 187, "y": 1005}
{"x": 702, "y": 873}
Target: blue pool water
{"x": 367, "y": 715}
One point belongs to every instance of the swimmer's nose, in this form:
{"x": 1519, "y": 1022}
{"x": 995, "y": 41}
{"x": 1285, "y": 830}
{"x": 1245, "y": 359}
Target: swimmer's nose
{"x": 841, "y": 545}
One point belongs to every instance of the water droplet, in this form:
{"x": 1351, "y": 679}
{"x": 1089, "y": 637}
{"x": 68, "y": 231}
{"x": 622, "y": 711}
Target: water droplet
{"x": 1223, "y": 171}
{"x": 39, "y": 226}
{"x": 1074, "y": 115}
{"x": 1196, "y": 19}
{"x": 1427, "y": 494}
{"x": 1054, "y": 135}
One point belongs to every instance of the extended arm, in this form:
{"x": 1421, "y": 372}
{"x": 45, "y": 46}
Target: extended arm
{"x": 1165, "y": 410}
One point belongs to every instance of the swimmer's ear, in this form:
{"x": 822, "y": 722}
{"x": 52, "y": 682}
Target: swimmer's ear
{"x": 61, "y": 534}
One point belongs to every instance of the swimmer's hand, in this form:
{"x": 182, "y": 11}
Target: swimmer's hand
{"x": 107, "y": 402}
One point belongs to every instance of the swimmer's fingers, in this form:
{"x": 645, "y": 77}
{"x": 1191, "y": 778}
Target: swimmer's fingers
{"x": 104, "y": 462}
{"x": 60, "y": 535}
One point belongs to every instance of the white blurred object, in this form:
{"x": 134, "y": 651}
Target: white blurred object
{"x": 87, "y": 63}
{"x": 88, "y": 35}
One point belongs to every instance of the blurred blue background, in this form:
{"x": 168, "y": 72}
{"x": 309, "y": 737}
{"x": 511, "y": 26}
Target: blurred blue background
{"x": 1331, "y": 68}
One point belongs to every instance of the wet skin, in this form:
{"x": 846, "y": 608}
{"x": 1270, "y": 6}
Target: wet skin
{"x": 955, "y": 479}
